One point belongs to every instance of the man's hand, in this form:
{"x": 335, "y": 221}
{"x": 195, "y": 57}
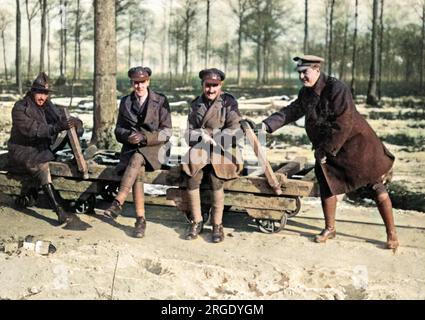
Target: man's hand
{"x": 64, "y": 124}
{"x": 207, "y": 138}
{"x": 136, "y": 137}
{"x": 320, "y": 155}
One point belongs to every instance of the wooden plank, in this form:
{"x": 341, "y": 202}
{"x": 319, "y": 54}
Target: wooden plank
{"x": 74, "y": 141}
{"x": 292, "y": 167}
{"x": 262, "y": 159}
{"x": 241, "y": 200}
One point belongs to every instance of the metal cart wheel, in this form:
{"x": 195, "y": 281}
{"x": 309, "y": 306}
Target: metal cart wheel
{"x": 272, "y": 226}
{"x": 85, "y": 206}
{"x": 293, "y": 213}
{"x": 109, "y": 191}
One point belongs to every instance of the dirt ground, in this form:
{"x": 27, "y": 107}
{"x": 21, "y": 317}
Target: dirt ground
{"x": 104, "y": 262}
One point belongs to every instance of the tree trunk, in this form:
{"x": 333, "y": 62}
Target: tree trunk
{"x": 48, "y": 42}
{"x": 258, "y": 63}
{"x": 372, "y": 98}
{"x": 381, "y": 49}
{"x": 143, "y": 49}
{"x": 130, "y": 33}
{"x": 207, "y": 38}
{"x": 4, "y": 56}
{"x": 186, "y": 51}
{"x": 65, "y": 44}
{"x": 18, "y": 48}
{"x": 77, "y": 39}
{"x": 344, "y": 51}
{"x": 421, "y": 55}
{"x": 353, "y": 68}
{"x": 306, "y": 28}
{"x": 170, "y": 19}
{"x": 330, "y": 57}
{"x": 29, "y": 40}
{"x": 105, "y": 99}
{"x": 62, "y": 40}
{"x": 43, "y": 7}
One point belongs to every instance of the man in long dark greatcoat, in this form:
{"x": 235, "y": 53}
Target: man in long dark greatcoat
{"x": 348, "y": 153}
{"x": 144, "y": 128}
{"x": 36, "y": 123}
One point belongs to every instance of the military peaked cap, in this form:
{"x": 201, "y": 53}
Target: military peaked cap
{"x": 139, "y": 73}
{"x": 212, "y": 75}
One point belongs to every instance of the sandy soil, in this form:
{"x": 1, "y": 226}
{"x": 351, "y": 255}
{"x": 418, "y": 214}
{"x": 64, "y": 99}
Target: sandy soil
{"x": 247, "y": 265}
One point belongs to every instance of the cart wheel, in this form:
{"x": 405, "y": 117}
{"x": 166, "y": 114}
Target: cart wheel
{"x": 272, "y": 226}
{"x": 85, "y": 206}
{"x": 109, "y": 191}
{"x": 293, "y": 213}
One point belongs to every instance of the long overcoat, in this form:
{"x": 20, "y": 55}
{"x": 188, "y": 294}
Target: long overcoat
{"x": 355, "y": 155}
{"x": 220, "y": 121}
{"x": 32, "y": 133}
{"x": 154, "y": 120}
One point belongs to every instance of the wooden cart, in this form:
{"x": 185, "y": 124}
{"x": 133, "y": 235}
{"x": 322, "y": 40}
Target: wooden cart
{"x": 249, "y": 193}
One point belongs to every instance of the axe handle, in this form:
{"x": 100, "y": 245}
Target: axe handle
{"x": 76, "y": 149}
{"x": 265, "y": 165}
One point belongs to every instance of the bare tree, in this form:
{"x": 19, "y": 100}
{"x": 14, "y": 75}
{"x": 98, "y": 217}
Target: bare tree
{"x": 105, "y": 64}
{"x": 49, "y": 8}
{"x": 18, "y": 48}
{"x": 189, "y": 10}
{"x": 4, "y": 22}
{"x": 331, "y": 18}
{"x": 31, "y": 13}
{"x": 381, "y": 48}
{"x": 372, "y": 97}
{"x": 421, "y": 55}
{"x": 306, "y": 26}
{"x": 77, "y": 32}
{"x": 354, "y": 61}
{"x": 43, "y": 8}
{"x": 207, "y": 33}
{"x": 240, "y": 12}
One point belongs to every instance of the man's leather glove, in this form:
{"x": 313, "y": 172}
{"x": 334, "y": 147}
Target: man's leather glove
{"x": 64, "y": 124}
{"x": 256, "y": 126}
{"x": 320, "y": 155}
{"x": 136, "y": 137}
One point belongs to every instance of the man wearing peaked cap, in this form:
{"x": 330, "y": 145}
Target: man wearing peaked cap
{"x": 36, "y": 123}
{"x": 212, "y": 122}
{"x": 144, "y": 128}
{"x": 348, "y": 153}
{"x": 306, "y": 61}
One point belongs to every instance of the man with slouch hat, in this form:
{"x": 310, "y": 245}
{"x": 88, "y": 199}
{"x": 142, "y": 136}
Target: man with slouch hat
{"x": 36, "y": 123}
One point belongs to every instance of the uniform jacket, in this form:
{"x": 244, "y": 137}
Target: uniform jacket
{"x": 32, "y": 133}
{"x": 355, "y": 155}
{"x": 154, "y": 120}
{"x": 221, "y": 122}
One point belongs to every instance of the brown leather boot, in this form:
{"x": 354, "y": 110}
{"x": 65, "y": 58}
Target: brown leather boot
{"x": 194, "y": 229}
{"x": 329, "y": 209}
{"x": 217, "y": 233}
{"x": 63, "y": 216}
{"x": 385, "y": 208}
{"x": 139, "y": 227}
{"x": 114, "y": 210}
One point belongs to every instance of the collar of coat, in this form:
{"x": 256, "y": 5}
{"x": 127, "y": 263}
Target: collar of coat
{"x": 320, "y": 84}
{"x": 152, "y": 96}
